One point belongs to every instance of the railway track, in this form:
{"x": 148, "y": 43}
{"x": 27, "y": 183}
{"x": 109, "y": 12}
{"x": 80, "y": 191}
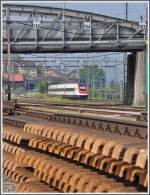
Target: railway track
{"x": 111, "y": 125}
{"x": 82, "y": 103}
{"x": 100, "y": 123}
{"x": 115, "y": 112}
{"x": 47, "y": 156}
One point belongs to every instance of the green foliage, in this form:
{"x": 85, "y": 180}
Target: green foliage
{"x": 90, "y": 74}
{"x": 92, "y": 92}
{"x": 39, "y": 71}
{"x": 41, "y": 86}
{"x": 93, "y": 76}
{"x": 41, "y": 96}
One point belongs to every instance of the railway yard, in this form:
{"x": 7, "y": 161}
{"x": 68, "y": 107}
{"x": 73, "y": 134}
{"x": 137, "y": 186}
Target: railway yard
{"x": 60, "y": 149}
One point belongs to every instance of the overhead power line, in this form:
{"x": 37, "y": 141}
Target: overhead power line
{"x": 68, "y": 57}
{"x": 70, "y": 61}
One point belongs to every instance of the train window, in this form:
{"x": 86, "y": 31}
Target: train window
{"x": 82, "y": 86}
{"x": 70, "y": 89}
{"x": 63, "y": 89}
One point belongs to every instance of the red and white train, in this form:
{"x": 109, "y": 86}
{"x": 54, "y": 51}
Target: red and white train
{"x": 73, "y": 90}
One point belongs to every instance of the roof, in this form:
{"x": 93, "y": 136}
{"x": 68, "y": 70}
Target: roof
{"x": 13, "y": 77}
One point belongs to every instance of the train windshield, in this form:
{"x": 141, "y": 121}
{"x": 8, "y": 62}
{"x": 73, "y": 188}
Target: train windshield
{"x": 82, "y": 86}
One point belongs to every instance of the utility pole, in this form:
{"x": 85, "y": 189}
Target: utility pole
{"x": 105, "y": 77}
{"x": 125, "y": 58}
{"x": 45, "y": 74}
{"x": 8, "y": 55}
{"x": 124, "y": 69}
{"x": 89, "y": 87}
{"x": 146, "y": 56}
{"x": 116, "y": 80}
{"x": 93, "y": 80}
{"x": 126, "y": 11}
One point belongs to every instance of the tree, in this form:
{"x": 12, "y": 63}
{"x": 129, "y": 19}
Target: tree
{"x": 39, "y": 71}
{"x": 90, "y": 74}
{"x": 41, "y": 86}
{"x": 93, "y": 76}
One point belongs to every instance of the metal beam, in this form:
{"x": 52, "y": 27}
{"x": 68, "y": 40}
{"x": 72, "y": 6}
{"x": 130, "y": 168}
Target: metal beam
{"x": 79, "y": 28}
{"x": 52, "y": 25}
{"x": 64, "y": 40}
{"x": 23, "y": 27}
{"x": 90, "y": 31}
{"x": 135, "y": 33}
{"x": 106, "y": 31}
{"x": 117, "y": 35}
{"x": 64, "y": 33}
{"x": 24, "y": 10}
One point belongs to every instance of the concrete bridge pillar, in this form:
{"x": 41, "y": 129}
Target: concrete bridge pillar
{"x": 139, "y": 79}
{"x": 131, "y": 60}
{"x": 136, "y": 74}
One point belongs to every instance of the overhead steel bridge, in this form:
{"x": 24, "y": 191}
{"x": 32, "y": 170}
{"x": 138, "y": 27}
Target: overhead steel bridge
{"x": 28, "y": 29}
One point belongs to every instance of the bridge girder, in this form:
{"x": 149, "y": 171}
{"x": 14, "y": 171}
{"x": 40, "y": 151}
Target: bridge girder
{"x": 36, "y": 29}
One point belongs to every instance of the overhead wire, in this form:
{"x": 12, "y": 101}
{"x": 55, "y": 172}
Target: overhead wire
{"x": 97, "y": 56}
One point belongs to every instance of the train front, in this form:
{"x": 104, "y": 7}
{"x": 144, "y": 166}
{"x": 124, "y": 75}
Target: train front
{"x": 82, "y": 90}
